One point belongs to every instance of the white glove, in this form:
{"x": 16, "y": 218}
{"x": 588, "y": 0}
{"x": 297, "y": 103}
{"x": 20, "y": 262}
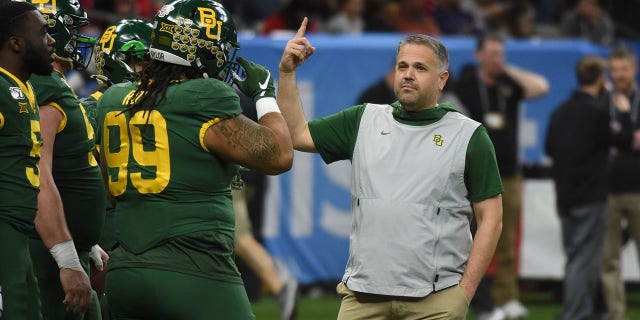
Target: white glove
{"x": 99, "y": 257}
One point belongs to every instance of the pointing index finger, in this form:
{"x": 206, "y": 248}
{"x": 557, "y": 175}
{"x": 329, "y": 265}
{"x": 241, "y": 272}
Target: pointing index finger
{"x": 303, "y": 28}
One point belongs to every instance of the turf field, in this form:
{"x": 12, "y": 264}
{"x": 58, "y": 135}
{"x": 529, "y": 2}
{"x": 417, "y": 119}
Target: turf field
{"x": 543, "y": 304}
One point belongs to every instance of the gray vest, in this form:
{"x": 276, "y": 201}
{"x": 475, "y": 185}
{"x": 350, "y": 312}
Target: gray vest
{"x": 410, "y": 231}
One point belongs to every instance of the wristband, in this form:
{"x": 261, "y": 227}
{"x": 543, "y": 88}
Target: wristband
{"x": 266, "y": 105}
{"x": 66, "y": 256}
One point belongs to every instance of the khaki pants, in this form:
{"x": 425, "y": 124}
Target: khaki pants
{"x": 505, "y": 282}
{"x": 449, "y": 304}
{"x": 621, "y": 206}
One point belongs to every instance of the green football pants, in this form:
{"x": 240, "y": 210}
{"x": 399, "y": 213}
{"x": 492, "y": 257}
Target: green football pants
{"x": 144, "y": 293}
{"x": 51, "y": 291}
{"x": 18, "y": 285}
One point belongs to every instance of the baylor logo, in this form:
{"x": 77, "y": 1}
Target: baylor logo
{"x": 40, "y": 4}
{"x": 106, "y": 41}
{"x": 209, "y": 21}
{"x": 437, "y": 139}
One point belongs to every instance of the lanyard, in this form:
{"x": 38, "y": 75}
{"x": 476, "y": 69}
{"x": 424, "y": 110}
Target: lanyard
{"x": 633, "y": 112}
{"x": 484, "y": 96}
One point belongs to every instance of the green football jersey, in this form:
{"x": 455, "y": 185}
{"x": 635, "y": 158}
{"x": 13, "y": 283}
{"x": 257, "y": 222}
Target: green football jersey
{"x": 20, "y": 143}
{"x": 90, "y": 105}
{"x": 107, "y": 237}
{"x": 75, "y": 169}
{"x": 167, "y": 184}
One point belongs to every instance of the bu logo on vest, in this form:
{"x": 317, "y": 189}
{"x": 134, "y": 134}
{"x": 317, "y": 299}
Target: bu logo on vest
{"x": 437, "y": 139}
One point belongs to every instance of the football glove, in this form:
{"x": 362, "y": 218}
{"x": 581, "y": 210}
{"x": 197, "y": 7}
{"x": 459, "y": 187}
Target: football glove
{"x": 258, "y": 82}
{"x": 99, "y": 257}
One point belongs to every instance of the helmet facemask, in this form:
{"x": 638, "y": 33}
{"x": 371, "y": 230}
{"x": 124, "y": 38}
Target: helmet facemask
{"x": 65, "y": 18}
{"x": 230, "y": 66}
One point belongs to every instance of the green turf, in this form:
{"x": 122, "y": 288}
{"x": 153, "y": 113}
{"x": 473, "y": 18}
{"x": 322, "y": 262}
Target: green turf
{"x": 542, "y": 306}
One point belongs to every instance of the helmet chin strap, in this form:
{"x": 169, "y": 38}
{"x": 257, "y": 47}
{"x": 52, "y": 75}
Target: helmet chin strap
{"x": 201, "y": 68}
{"x": 102, "y": 80}
{"x": 64, "y": 62}
{"x": 223, "y": 75}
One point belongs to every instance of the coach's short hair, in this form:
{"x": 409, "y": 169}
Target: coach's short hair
{"x": 438, "y": 48}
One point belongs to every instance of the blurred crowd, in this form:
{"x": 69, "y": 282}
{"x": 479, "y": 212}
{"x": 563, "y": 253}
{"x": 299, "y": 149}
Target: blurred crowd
{"x": 601, "y": 21}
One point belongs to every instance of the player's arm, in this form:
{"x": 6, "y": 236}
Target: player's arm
{"x": 50, "y": 220}
{"x": 295, "y": 53}
{"x": 264, "y": 146}
{"x": 488, "y": 213}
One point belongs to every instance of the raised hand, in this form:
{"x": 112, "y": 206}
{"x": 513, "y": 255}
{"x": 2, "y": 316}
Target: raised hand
{"x": 297, "y": 50}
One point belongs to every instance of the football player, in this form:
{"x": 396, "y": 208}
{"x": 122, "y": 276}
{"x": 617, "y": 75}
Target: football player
{"x": 71, "y": 181}
{"x": 25, "y": 48}
{"x": 120, "y": 53}
{"x": 171, "y": 145}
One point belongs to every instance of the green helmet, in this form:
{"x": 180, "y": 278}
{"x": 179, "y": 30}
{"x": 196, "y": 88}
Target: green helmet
{"x": 197, "y": 33}
{"x": 65, "y": 18}
{"x": 122, "y": 46}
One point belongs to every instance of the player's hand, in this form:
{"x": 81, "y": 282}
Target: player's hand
{"x": 99, "y": 257}
{"x": 258, "y": 82}
{"x": 297, "y": 50}
{"x": 77, "y": 290}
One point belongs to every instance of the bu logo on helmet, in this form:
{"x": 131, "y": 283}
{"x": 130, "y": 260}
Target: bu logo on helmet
{"x": 41, "y": 5}
{"x": 107, "y": 38}
{"x": 197, "y": 33}
{"x": 208, "y": 20}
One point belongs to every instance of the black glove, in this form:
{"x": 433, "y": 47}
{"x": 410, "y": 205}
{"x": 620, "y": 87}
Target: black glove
{"x": 258, "y": 83}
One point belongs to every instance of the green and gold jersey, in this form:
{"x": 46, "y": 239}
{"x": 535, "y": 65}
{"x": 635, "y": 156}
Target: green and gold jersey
{"x": 335, "y": 137}
{"x": 75, "y": 169}
{"x": 20, "y": 143}
{"x": 90, "y": 105}
{"x": 107, "y": 237}
{"x": 167, "y": 184}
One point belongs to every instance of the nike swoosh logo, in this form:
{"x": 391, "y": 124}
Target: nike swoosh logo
{"x": 384, "y": 133}
{"x": 263, "y": 86}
